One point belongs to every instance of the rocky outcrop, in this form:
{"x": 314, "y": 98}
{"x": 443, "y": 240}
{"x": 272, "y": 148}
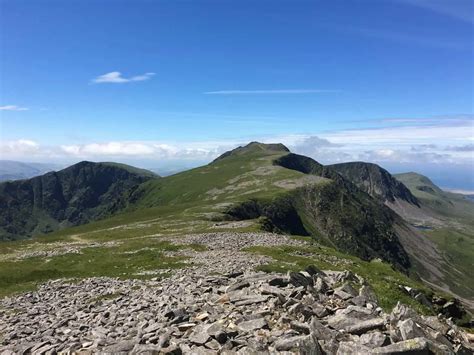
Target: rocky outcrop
{"x": 336, "y": 212}
{"x": 376, "y": 181}
{"x": 221, "y": 307}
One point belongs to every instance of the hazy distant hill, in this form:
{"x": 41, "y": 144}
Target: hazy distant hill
{"x": 442, "y": 202}
{"x": 78, "y": 194}
{"x": 15, "y": 170}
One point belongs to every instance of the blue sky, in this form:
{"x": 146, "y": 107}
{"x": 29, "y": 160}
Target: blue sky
{"x": 174, "y": 83}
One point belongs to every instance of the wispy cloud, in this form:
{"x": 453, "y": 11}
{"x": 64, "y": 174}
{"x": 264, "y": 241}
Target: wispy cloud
{"x": 461, "y": 119}
{"x": 460, "y": 10}
{"x": 13, "y": 108}
{"x": 269, "y": 92}
{"x": 116, "y": 77}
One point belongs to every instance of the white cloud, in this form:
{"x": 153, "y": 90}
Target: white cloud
{"x": 116, "y": 77}
{"x": 279, "y": 91}
{"x": 19, "y": 147}
{"x": 449, "y": 142}
{"x": 146, "y": 150}
{"x": 13, "y": 108}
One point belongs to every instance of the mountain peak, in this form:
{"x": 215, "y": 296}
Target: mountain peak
{"x": 376, "y": 181}
{"x": 255, "y": 147}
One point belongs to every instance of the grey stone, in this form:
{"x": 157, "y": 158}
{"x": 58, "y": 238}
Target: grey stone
{"x": 300, "y": 327}
{"x": 365, "y": 326}
{"x": 349, "y": 316}
{"x": 374, "y": 339}
{"x": 299, "y": 279}
{"x": 304, "y": 344}
{"x": 320, "y": 331}
{"x": 320, "y": 286}
{"x": 413, "y": 346}
{"x": 123, "y": 346}
{"x": 351, "y": 348}
{"x": 238, "y": 286}
{"x": 368, "y": 293}
{"x": 251, "y": 325}
{"x": 409, "y": 329}
{"x": 199, "y": 335}
{"x": 342, "y": 294}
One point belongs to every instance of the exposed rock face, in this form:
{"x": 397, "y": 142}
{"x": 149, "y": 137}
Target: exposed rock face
{"x": 220, "y": 307}
{"x": 79, "y": 194}
{"x": 336, "y": 211}
{"x": 376, "y": 181}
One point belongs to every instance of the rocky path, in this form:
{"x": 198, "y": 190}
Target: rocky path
{"x": 219, "y": 304}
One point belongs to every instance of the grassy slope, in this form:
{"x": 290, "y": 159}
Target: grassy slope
{"x": 456, "y": 238}
{"x": 168, "y": 206}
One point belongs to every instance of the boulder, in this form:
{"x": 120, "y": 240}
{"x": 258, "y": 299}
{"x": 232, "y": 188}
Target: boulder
{"x": 374, "y": 339}
{"x": 299, "y": 279}
{"x": 303, "y": 344}
{"x": 418, "y": 346}
{"x": 251, "y": 325}
{"x": 410, "y": 330}
{"x": 361, "y": 327}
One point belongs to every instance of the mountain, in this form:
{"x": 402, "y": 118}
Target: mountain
{"x": 15, "y": 170}
{"x": 452, "y": 233}
{"x": 444, "y": 203}
{"x": 78, "y": 194}
{"x": 215, "y": 217}
{"x": 380, "y": 184}
{"x": 251, "y": 188}
{"x": 376, "y": 181}
{"x": 285, "y": 192}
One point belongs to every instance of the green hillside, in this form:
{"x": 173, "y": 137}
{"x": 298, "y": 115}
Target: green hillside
{"x": 76, "y": 195}
{"x": 454, "y": 235}
{"x": 444, "y": 203}
{"x": 282, "y": 192}
{"x": 254, "y": 188}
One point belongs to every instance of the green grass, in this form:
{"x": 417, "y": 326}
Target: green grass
{"x": 117, "y": 261}
{"x": 182, "y": 204}
{"x": 458, "y": 249}
{"x": 379, "y": 275}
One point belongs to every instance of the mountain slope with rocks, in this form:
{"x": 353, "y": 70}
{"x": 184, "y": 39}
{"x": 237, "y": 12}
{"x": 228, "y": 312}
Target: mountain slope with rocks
{"x": 284, "y": 192}
{"x": 376, "y": 181}
{"x": 224, "y": 306}
{"x": 183, "y": 265}
{"x": 76, "y": 195}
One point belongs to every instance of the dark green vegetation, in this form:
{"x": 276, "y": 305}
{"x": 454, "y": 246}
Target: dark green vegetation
{"x": 81, "y": 193}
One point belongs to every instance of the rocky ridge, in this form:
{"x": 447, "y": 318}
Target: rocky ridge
{"x": 221, "y": 305}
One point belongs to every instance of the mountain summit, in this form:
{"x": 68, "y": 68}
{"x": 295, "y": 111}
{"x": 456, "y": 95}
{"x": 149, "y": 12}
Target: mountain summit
{"x": 255, "y": 148}
{"x": 76, "y": 195}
